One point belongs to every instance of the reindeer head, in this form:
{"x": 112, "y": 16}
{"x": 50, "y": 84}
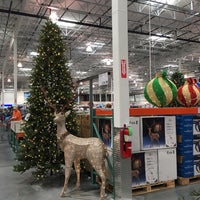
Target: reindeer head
{"x": 60, "y": 116}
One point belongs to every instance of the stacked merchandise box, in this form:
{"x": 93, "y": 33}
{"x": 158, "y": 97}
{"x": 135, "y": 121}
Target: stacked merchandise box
{"x": 185, "y": 159}
{"x": 158, "y": 132}
{"x": 144, "y": 168}
{"x": 196, "y": 144}
{"x": 167, "y": 172}
{"x": 134, "y": 122}
{"x": 153, "y": 147}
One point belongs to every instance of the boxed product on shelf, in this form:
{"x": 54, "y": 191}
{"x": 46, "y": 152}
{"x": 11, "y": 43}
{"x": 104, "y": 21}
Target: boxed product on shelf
{"x": 151, "y": 160}
{"x": 185, "y": 139}
{"x": 134, "y": 122}
{"x": 196, "y": 165}
{"x": 185, "y": 166}
{"x": 170, "y": 131}
{"x": 16, "y": 126}
{"x": 196, "y": 124}
{"x": 158, "y": 132}
{"x": 185, "y": 171}
{"x": 144, "y": 168}
{"x": 138, "y": 169}
{"x": 106, "y": 131}
{"x": 12, "y": 125}
{"x": 185, "y": 149}
{"x": 196, "y": 144}
{"x": 184, "y": 124}
{"x": 185, "y": 160}
{"x": 167, "y": 164}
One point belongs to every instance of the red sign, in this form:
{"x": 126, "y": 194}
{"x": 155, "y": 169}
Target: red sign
{"x": 123, "y": 68}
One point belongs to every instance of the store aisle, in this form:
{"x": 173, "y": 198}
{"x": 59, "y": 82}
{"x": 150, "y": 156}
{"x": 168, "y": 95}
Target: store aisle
{"x": 15, "y": 186}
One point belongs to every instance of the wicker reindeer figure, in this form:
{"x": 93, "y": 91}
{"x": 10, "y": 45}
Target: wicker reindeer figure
{"x": 76, "y": 148}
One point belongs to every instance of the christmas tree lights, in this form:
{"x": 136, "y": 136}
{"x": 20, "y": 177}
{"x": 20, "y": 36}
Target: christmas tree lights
{"x": 39, "y": 150}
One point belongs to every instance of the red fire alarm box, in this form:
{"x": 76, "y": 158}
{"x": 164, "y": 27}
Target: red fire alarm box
{"x": 125, "y": 144}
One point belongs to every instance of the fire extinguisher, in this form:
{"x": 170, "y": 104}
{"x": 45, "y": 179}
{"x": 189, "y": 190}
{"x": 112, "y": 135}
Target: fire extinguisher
{"x": 125, "y": 144}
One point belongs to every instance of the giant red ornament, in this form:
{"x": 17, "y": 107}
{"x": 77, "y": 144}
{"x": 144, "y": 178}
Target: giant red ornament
{"x": 189, "y": 93}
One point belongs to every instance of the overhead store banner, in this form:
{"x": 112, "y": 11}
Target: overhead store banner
{"x": 103, "y": 79}
{"x": 123, "y": 68}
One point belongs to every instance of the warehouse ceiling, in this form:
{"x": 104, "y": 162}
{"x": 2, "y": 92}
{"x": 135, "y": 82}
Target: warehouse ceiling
{"x": 162, "y": 34}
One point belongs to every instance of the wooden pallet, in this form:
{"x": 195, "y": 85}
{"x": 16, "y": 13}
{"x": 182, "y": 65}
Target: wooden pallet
{"x": 153, "y": 187}
{"x": 187, "y": 181}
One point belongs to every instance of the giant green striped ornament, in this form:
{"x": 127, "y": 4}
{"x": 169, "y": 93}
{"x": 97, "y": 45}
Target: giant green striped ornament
{"x": 160, "y": 91}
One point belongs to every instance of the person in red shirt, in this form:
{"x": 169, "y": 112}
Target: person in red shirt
{"x": 16, "y": 115}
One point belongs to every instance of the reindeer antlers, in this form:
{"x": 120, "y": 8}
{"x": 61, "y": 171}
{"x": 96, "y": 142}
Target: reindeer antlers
{"x": 52, "y": 105}
{"x": 45, "y": 96}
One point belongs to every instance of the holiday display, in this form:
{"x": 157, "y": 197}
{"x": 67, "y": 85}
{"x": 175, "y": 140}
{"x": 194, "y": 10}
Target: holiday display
{"x": 76, "y": 148}
{"x": 160, "y": 91}
{"x": 189, "y": 93}
{"x": 39, "y": 149}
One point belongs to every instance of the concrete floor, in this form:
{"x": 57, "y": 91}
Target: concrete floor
{"x": 15, "y": 186}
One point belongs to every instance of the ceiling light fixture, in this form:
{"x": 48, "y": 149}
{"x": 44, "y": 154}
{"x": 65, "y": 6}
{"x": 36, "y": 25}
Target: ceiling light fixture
{"x": 34, "y": 53}
{"x": 53, "y": 16}
{"x": 65, "y": 24}
{"x": 19, "y": 64}
{"x": 107, "y": 61}
{"x": 89, "y": 49}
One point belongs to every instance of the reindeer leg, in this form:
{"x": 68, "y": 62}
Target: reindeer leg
{"x": 68, "y": 168}
{"x": 101, "y": 172}
{"x": 78, "y": 171}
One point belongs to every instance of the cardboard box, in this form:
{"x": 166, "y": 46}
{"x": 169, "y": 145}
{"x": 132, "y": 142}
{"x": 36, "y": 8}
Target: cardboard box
{"x": 170, "y": 131}
{"x": 134, "y": 122}
{"x": 185, "y": 149}
{"x": 144, "y": 168}
{"x": 184, "y": 124}
{"x": 196, "y": 144}
{"x": 138, "y": 169}
{"x": 12, "y": 125}
{"x": 152, "y": 132}
{"x": 196, "y": 124}
{"x": 151, "y": 164}
{"x": 185, "y": 171}
{"x": 196, "y": 165}
{"x": 158, "y": 132}
{"x": 167, "y": 164}
{"x": 105, "y": 128}
{"x": 185, "y": 139}
{"x": 185, "y": 160}
{"x": 18, "y": 126}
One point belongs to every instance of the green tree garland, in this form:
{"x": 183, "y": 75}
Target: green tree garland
{"x": 178, "y": 79}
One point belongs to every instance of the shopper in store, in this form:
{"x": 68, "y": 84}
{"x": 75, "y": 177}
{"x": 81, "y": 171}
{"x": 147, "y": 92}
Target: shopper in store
{"x": 16, "y": 116}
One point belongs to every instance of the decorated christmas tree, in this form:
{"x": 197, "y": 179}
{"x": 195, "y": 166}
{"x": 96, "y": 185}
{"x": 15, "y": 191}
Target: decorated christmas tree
{"x": 178, "y": 79}
{"x": 39, "y": 150}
